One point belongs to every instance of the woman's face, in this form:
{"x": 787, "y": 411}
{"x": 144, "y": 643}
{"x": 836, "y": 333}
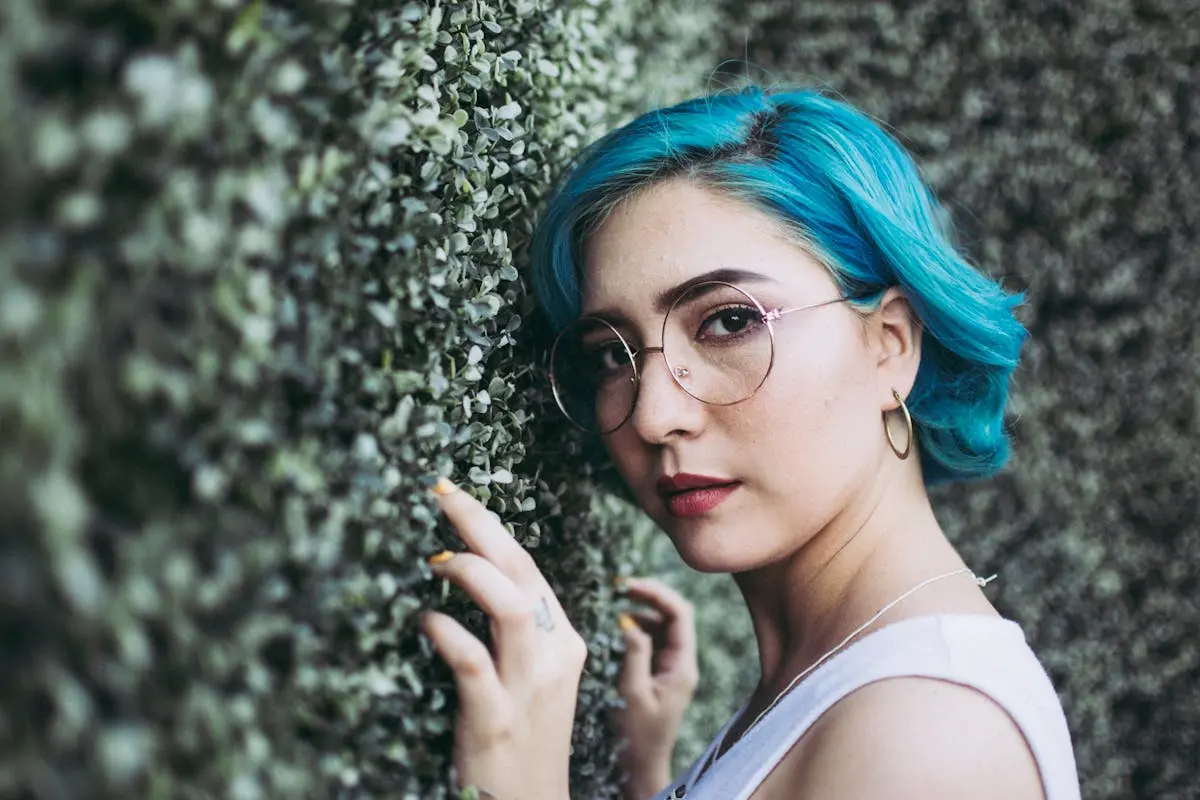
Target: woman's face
{"x": 789, "y": 459}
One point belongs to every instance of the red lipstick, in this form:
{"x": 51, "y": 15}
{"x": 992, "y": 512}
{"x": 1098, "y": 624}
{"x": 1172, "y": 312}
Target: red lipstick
{"x": 689, "y": 495}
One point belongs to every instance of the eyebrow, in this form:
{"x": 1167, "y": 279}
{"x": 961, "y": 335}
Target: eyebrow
{"x": 666, "y": 298}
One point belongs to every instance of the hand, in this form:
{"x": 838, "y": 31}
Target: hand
{"x": 512, "y": 735}
{"x": 657, "y": 685}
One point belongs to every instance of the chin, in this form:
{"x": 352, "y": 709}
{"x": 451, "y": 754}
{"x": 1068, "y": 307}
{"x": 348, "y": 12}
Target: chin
{"x": 707, "y": 564}
{"x": 714, "y": 560}
{"x": 710, "y": 546}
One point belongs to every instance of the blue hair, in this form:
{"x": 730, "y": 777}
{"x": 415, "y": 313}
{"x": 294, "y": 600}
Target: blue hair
{"x": 855, "y": 198}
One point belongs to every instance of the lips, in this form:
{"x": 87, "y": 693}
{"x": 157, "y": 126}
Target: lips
{"x": 688, "y": 495}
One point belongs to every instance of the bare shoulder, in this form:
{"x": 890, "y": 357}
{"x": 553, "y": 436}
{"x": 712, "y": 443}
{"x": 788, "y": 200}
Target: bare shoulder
{"x": 907, "y": 738}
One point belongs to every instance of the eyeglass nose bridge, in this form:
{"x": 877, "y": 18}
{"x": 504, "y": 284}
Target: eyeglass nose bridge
{"x": 679, "y": 373}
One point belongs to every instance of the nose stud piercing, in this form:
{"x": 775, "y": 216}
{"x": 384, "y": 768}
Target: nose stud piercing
{"x": 682, "y": 372}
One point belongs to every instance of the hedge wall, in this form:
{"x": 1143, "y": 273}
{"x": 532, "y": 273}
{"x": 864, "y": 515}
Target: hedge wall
{"x": 1065, "y": 136}
{"x": 260, "y": 265}
{"x": 260, "y": 269}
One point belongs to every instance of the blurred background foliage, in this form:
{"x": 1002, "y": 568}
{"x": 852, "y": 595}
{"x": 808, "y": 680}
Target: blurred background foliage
{"x": 261, "y": 269}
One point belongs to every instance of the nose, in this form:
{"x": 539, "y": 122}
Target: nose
{"x": 663, "y": 409}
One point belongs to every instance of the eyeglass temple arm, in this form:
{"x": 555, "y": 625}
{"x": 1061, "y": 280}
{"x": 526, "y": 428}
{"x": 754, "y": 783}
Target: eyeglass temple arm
{"x": 776, "y": 313}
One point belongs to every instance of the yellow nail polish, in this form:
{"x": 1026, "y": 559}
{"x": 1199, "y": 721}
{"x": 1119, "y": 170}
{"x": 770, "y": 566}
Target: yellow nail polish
{"x": 626, "y": 622}
{"x": 443, "y": 486}
{"x": 442, "y": 557}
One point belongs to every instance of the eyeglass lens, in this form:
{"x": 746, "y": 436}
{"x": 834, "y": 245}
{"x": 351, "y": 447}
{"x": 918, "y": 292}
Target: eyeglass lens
{"x": 716, "y": 342}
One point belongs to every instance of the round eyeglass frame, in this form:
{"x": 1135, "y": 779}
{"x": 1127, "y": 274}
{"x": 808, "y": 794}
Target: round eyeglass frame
{"x": 677, "y": 373}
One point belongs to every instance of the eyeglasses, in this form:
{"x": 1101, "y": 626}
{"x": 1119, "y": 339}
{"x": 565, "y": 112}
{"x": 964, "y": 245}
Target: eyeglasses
{"x": 717, "y": 339}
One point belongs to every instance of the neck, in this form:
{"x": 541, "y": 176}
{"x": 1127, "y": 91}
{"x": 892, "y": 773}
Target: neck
{"x": 884, "y": 544}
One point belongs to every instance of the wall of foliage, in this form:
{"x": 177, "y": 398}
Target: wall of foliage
{"x": 261, "y": 271}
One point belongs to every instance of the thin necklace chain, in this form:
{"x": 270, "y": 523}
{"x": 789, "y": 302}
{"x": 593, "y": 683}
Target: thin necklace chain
{"x": 978, "y": 580}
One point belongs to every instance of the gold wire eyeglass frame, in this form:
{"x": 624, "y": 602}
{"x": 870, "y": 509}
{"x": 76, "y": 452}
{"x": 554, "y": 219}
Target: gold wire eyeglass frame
{"x": 767, "y": 317}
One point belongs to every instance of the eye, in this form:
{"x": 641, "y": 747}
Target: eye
{"x": 607, "y": 358}
{"x": 729, "y": 323}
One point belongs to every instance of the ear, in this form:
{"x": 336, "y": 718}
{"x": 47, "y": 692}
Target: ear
{"x": 895, "y": 337}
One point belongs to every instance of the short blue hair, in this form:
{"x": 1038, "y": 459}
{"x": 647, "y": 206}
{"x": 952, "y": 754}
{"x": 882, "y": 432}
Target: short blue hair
{"x": 854, "y": 197}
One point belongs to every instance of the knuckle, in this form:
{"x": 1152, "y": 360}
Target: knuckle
{"x": 637, "y": 639}
{"x": 516, "y": 617}
{"x": 475, "y": 663}
{"x": 516, "y": 562}
{"x": 462, "y": 566}
{"x": 577, "y": 648}
{"x": 498, "y": 728}
{"x": 689, "y": 678}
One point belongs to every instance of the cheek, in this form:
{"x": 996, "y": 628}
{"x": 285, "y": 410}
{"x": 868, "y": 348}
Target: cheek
{"x": 813, "y": 419}
{"x": 630, "y": 457}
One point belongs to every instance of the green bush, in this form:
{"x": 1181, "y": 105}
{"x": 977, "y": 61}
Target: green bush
{"x": 261, "y": 271}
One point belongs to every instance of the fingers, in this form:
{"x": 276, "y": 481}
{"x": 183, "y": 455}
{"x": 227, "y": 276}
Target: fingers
{"x": 647, "y": 619}
{"x": 484, "y": 534}
{"x": 474, "y": 673}
{"x": 636, "y": 678}
{"x": 677, "y": 612}
{"x": 492, "y": 590}
{"x": 515, "y": 616}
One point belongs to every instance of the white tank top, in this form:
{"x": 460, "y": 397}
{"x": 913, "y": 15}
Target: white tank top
{"x": 985, "y": 653}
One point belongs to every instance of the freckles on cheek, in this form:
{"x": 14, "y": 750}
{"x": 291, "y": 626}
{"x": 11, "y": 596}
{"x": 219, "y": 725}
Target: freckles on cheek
{"x": 750, "y": 424}
{"x": 792, "y": 425}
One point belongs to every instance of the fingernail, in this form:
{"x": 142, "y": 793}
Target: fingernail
{"x": 619, "y": 581}
{"x": 442, "y": 557}
{"x": 626, "y": 622}
{"x": 444, "y": 486}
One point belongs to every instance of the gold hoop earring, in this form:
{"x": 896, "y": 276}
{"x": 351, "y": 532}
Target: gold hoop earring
{"x": 907, "y": 422}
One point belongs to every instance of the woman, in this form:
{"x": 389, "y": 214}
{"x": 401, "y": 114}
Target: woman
{"x": 763, "y": 318}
